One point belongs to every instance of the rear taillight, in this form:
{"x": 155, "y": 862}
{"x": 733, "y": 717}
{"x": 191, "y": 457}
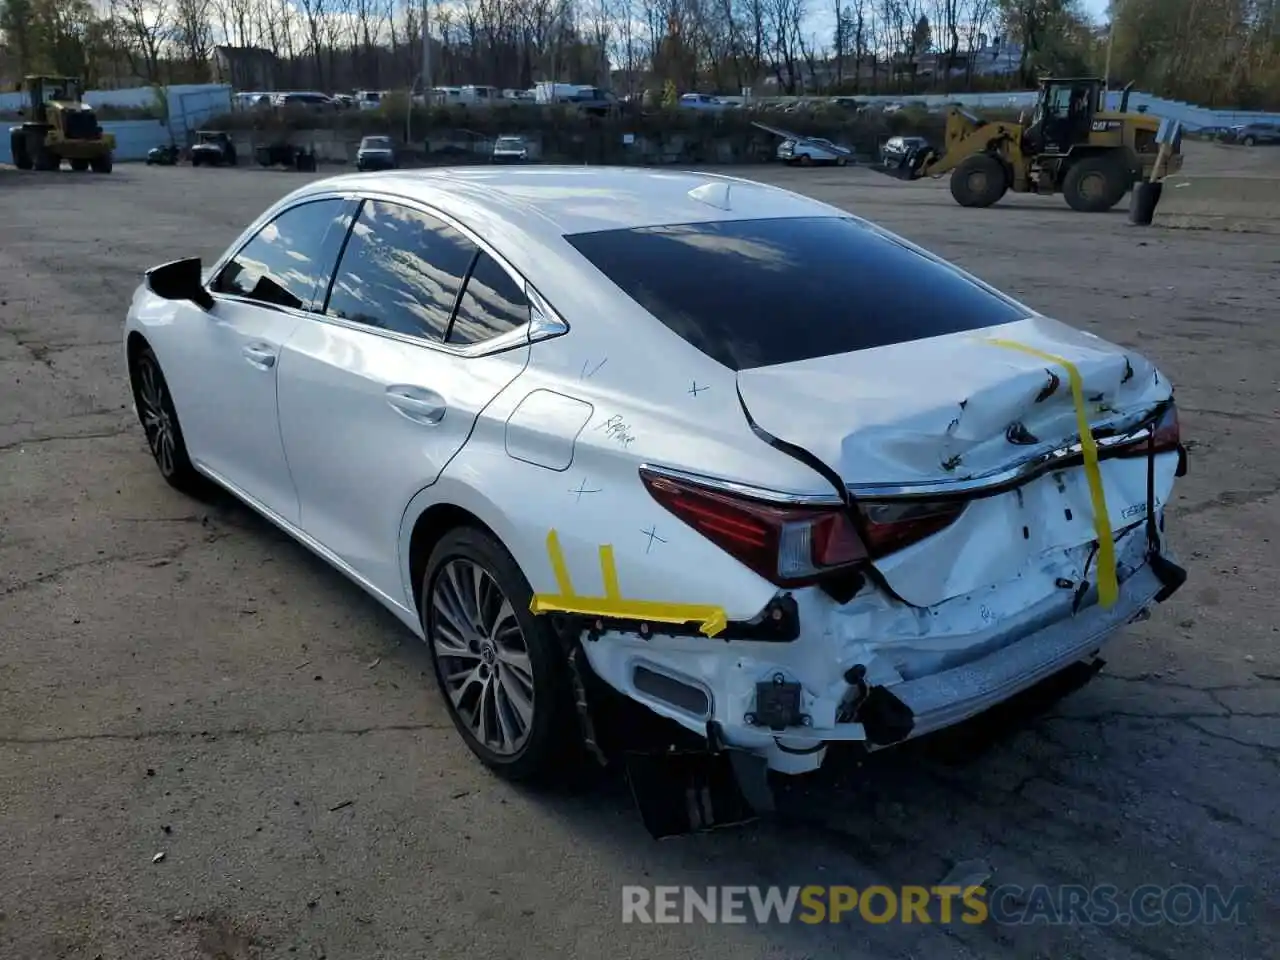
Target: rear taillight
{"x": 794, "y": 546}
{"x": 892, "y": 525}
{"x": 1167, "y": 433}
{"x": 1166, "y": 436}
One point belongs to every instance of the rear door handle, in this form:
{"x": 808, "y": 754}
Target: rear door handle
{"x": 260, "y": 355}
{"x": 417, "y": 404}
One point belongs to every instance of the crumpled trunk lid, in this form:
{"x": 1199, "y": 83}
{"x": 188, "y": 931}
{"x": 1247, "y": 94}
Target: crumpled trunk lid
{"x": 958, "y": 410}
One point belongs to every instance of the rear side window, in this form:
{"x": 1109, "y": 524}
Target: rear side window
{"x": 401, "y": 271}
{"x": 492, "y": 303}
{"x": 753, "y": 293}
{"x": 287, "y": 263}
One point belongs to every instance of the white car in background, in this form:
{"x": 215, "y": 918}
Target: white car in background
{"x": 510, "y": 149}
{"x": 813, "y": 150}
{"x": 765, "y": 468}
{"x": 700, "y": 101}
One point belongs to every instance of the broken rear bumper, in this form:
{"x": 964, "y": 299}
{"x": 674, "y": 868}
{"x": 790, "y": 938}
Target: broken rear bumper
{"x": 722, "y": 684}
{"x": 952, "y": 696}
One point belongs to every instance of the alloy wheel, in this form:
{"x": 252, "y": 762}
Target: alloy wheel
{"x": 483, "y": 656}
{"x": 157, "y": 422}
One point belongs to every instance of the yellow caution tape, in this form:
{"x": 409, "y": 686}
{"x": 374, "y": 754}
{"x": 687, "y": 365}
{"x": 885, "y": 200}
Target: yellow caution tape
{"x": 1108, "y": 586}
{"x": 712, "y": 619}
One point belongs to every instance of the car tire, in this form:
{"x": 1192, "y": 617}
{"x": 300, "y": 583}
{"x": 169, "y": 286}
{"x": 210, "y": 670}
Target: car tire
{"x": 1249, "y": 141}
{"x": 501, "y": 670}
{"x": 806, "y": 160}
{"x": 842, "y": 161}
{"x": 159, "y": 419}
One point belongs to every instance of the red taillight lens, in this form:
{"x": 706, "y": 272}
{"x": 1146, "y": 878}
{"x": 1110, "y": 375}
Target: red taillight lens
{"x": 892, "y": 525}
{"x": 1167, "y": 432}
{"x": 794, "y": 546}
{"x": 788, "y": 546}
{"x": 1166, "y": 435}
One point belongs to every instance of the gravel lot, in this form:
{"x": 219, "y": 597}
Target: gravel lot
{"x": 180, "y": 678}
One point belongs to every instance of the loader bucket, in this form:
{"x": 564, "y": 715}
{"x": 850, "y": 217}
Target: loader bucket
{"x": 910, "y": 167}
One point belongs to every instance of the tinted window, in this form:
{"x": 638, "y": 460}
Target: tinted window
{"x": 288, "y": 262}
{"x": 751, "y": 293}
{"x": 401, "y": 271}
{"x": 492, "y": 303}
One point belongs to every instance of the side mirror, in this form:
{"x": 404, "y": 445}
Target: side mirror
{"x": 180, "y": 280}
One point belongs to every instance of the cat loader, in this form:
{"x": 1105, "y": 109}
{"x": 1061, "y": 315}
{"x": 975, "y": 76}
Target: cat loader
{"x": 1072, "y": 146}
{"x": 58, "y": 126}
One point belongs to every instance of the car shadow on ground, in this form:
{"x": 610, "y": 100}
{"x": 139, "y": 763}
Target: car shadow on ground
{"x": 989, "y": 799}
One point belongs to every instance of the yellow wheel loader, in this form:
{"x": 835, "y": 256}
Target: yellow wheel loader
{"x": 1072, "y": 146}
{"x": 58, "y": 126}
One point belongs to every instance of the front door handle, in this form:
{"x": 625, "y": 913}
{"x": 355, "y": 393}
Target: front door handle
{"x": 260, "y": 355}
{"x": 417, "y": 404}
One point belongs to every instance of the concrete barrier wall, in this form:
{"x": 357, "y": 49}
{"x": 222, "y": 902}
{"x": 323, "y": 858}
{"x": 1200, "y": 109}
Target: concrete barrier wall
{"x": 1189, "y": 115}
{"x": 133, "y": 139}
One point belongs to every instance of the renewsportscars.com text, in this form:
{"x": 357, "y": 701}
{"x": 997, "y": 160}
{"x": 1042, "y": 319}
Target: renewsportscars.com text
{"x": 1007, "y": 904}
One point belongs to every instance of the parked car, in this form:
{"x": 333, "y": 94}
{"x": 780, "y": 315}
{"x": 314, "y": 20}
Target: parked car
{"x": 1212, "y": 133}
{"x": 165, "y": 155}
{"x": 1250, "y": 134}
{"x": 300, "y": 98}
{"x": 699, "y": 101}
{"x": 213, "y": 148}
{"x": 509, "y": 150}
{"x": 376, "y": 153}
{"x": 815, "y": 150}
{"x": 895, "y": 149}
{"x": 881, "y": 509}
{"x": 284, "y": 154}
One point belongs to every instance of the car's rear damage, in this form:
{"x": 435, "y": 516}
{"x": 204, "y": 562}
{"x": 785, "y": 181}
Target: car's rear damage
{"x": 922, "y": 597}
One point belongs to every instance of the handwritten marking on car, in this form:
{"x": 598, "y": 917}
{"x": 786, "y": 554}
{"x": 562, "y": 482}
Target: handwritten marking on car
{"x": 711, "y": 619}
{"x": 695, "y": 389}
{"x": 588, "y": 374}
{"x": 652, "y": 534}
{"x": 582, "y": 489}
{"x": 615, "y": 428}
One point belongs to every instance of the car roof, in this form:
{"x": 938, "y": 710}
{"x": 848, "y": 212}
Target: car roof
{"x": 546, "y": 203}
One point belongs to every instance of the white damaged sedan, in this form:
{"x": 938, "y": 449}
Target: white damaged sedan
{"x": 771, "y": 471}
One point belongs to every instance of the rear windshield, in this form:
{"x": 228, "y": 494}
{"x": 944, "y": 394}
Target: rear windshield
{"x": 753, "y": 293}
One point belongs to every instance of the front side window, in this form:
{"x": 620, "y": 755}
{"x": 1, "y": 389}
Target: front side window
{"x": 401, "y": 271}
{"x": 492, "y": 303}
{"x": 287, "y": 263}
